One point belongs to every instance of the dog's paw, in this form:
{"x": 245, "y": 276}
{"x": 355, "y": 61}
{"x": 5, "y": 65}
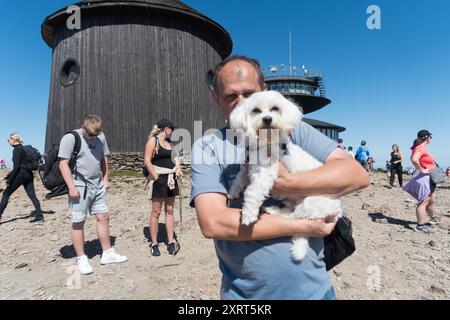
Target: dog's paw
{"x": 273, "y": 210}
{"x": 299, "y": 248}
{"x": 248, "y": 219}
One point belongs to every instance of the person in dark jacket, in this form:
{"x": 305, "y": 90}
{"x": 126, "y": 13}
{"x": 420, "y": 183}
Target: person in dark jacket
{"x": 396, "y": 165}
{"x": 20, "y": 176}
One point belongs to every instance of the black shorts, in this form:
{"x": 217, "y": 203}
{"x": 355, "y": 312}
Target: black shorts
{"x": 161, "y": 190}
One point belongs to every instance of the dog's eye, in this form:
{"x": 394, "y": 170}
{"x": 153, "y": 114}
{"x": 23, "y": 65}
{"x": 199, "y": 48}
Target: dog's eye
{"x": 275, "y": 109}
{"x": 257, "y": 110}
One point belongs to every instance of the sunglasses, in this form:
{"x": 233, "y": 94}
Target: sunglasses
{"x": 92, "y": 135}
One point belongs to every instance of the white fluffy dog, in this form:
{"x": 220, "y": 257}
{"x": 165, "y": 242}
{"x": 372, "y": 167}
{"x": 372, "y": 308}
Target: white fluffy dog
{"x": 256, "y": 118}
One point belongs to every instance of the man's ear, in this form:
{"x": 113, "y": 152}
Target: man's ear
{"x": 215, "y": 97}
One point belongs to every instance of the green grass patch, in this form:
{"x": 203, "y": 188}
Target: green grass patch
{"x": 125, "y": 174}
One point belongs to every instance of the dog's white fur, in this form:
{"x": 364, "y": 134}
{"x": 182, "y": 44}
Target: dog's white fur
{"x": 248, "y": 118}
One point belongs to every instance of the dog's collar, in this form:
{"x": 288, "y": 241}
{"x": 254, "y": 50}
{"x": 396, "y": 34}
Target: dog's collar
{"x": 284, "y": 149}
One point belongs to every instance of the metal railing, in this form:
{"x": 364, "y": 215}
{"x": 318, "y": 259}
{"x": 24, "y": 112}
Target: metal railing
{"x": 292, "y": 70}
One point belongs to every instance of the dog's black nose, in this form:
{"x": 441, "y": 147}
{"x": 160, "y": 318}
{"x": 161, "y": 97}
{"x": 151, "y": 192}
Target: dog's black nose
{"x": 267, "y": 121}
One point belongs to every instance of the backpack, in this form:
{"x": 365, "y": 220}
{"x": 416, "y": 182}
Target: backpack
{"x": 32, "y": 158}
{"x": 49, "y": 172}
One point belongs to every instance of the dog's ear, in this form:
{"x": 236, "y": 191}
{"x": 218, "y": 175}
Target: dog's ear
{"x": 238, "y": 117}
{"x": 292, "y": 114}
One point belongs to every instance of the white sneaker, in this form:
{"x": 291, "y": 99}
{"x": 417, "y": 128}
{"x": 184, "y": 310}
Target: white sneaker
{"x": 110, "y": 256}
{"x": 83, "y": 265}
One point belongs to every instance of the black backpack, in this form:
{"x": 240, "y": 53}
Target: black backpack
{"x": 49, "y": 172}
{"x": 32, "y": 158}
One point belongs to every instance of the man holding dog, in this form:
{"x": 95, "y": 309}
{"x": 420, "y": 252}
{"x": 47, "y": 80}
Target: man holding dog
{"x": 255, "y": 260}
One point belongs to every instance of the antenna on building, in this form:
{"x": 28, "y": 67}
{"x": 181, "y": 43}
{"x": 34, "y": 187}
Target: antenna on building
{"x": 290, "y": 53}
{"x": 305, "y": 71}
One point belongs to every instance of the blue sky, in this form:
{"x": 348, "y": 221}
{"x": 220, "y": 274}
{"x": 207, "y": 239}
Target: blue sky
{"x": 385, "y": 85}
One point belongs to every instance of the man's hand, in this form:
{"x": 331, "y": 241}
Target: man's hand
{"x": 106, "y": 183}
{"x": 282, "y": 182}
{"x": 74, "y": 194}
{"x": 322, "y": 227}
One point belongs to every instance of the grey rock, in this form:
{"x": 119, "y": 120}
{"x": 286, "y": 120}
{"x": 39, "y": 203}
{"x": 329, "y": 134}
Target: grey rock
{"x": 337, "y": 273}
{"x": 438, "y": 290}
{"x": 20, "y": 266}
{"x": 418, "y": 257}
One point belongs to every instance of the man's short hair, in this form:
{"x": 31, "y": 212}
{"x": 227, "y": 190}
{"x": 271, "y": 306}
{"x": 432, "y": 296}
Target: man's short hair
{"x": 92, "y": 125}
{"x": 213, "y": 75}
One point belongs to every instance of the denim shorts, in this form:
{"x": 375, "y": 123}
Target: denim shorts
{"x": 92, "y": 200}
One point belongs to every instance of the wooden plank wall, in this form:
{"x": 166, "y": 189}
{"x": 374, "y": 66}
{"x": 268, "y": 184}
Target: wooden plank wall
{"x": 134, "y": 70}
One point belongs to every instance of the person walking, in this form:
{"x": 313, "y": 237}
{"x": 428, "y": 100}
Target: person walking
{"x": 2, "y": 163}
{"x": 363, "y": 154}
{"x": 421, "y": 186}
{"x": 20, "y": 176}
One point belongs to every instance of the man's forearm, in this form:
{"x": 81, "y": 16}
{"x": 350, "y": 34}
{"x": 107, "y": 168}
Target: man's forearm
{"x": 67, "y": 175}
{"x": 223, "y": 223}
{"x": 105, "y": 170}
{"x": 334, "y": 179}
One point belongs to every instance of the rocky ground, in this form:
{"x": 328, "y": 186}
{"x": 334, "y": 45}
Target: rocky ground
{"x": 392, "y": 261}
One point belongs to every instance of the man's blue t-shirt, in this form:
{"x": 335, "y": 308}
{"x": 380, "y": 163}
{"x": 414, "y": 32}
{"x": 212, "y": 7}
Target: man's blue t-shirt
{"x": 263, "y": 269}
{"x": 363, "y": 153}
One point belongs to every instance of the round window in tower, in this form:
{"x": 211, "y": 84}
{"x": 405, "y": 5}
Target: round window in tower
{"x": 69, "y": 73}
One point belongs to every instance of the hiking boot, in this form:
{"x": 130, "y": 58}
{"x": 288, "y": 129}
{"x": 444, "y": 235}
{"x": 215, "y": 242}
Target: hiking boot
{"x": 173, "y": 248}
{"x": 154, "y": 250}
{"x": 435, "y": 221}
{"x": 83, "y": 265}
{"x": 111, "y": 256}
{"x": 37, "y": 217}
{"x": 423, "y": 228}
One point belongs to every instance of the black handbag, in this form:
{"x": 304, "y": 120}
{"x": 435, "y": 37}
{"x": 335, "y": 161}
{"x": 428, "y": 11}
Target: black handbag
{"x": 339, "y": 244}
{"x": 437, "y": 175}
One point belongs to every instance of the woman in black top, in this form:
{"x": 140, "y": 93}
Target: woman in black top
{"x": 396, "y": 165}
{"x": 158, "y": 153}
{"x": 20, "y": 176}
